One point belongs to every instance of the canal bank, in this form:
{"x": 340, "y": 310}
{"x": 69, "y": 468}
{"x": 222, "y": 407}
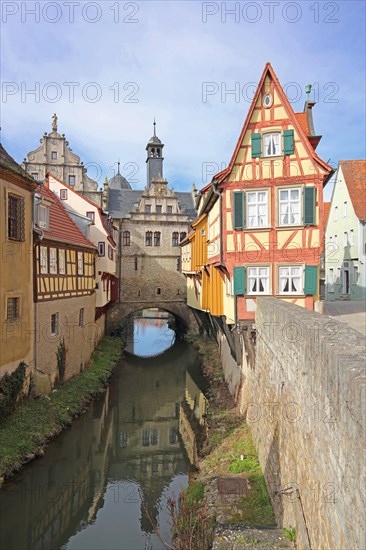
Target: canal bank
{"x": 228, "y": 492}
{"x": 26, "y": 432}
{"x": 105, "y": 483}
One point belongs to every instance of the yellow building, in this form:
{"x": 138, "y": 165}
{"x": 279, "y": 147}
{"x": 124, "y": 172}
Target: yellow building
{"x": 16, "y": 287}
{"x": 64, "y": 293}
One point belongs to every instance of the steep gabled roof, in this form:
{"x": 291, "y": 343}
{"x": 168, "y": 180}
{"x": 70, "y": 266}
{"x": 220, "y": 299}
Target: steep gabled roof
{"x": 298, "y": 123}
{"x": 7, "y": 163}
{"x": 99, "y": 209}
{"x": 354, "y": 173}
{"x": 61, "y": 227}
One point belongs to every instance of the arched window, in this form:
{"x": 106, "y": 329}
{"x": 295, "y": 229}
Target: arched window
{"x": 152, "y": 154}
{"x": 157, "y": 238}
{"x": 175, "y": 238}
{"x": 148, "y": 238}
{"x": 126, "y": 238}
{"x": 158, "y": 152}
{"x": 183, "y": 236}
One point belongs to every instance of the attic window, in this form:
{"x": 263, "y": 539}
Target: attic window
{"x": 43, "y": 213}
{"x": 53, "y": 155}
{"x": 91, "y": 216}
{"x": 71, "y": 180}
{"x": 267, "y": 101}
{"x": 63, "y": 194}
{"x": 271, "y": 144}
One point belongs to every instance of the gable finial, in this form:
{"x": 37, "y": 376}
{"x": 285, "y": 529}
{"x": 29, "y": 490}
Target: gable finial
{"x": 154, "y": 128}
{"x": 54, "y": 123}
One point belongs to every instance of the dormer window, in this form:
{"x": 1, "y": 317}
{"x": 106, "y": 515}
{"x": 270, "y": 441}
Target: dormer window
{"x": 43, "y": 214}
{"x": 53, "y": 155}
{"x": 271, "y": 144}
{"x": 91, "y": 216}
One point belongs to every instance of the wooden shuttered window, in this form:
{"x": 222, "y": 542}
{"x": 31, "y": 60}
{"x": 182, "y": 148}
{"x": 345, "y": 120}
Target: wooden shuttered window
{"x": 288, "y": 142}
{"x": 309, "y": 197}
{"x": 311, "y": 280}
{"x": 239, "y": 281}
{"x": 256, "y": 145}
{"x": 239, "y": 211}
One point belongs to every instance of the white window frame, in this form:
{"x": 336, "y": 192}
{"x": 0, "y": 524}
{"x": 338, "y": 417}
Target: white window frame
{"x": 229, "y": 286}
{"x": 253, "y": 273}
{"x": 43, "y": 216}
{"x": 345, "y": 206}
{"x": 80, "y": 263}
{"x": 289, "y": 201}
{"x": 291, "y": 277}
{"x": 62, "y": 261}
{"x": 53, "y": 155}
{"x": 355, "y": 274}
{"x": 91, "y": 215}
{"x": 336, "y": 213}
{"x": 72, "y": 183}
{"x": 256, "y": 204}
{"x": 267, "y": 135}
{"x": 63, "y": 194}
{"x": 43, "y": 259}
{"x": 345, "y": 238}
{"x": 53, "y": 261}
{"x": 336, "y": 239}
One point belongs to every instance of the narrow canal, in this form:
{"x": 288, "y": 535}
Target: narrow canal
{"x": 103, "y": 484}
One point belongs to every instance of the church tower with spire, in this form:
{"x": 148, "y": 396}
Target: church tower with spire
{"x": 154, "y": 160}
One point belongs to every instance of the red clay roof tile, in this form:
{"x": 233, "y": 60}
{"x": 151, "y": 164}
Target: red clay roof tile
{"x": 354, "y": 172}
{"x": 61, "y": 226}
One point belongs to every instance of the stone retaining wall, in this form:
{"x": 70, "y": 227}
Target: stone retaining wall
{"x": 305, "y": 402}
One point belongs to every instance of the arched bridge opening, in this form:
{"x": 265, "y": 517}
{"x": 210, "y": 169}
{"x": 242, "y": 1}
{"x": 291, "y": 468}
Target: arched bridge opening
{"x": 119, "y": 315}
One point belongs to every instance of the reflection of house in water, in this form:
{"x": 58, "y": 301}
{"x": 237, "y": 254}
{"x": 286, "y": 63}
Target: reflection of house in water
{"x": 146, "y": 448}
{"x": 130, "y": 435}
{"x": 192, "y": 416}
{"x": 54, "y": 496}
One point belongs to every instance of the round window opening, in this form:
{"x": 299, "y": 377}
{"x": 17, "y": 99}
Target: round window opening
{"x": 267, "y": 101}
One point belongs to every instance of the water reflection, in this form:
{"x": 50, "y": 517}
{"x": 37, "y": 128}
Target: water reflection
{"x": 149, "y": 333}
{"x": 104, "y": 483}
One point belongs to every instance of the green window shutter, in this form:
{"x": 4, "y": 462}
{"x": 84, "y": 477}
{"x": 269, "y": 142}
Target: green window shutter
{"x": 288, "y": 142}
{"x": 311, "y": 279}
{"x": 239, "y": 216}
{"x": 309, "y": 205}
{"x": 256, "y": 145}
{"x": 239, "y": 281}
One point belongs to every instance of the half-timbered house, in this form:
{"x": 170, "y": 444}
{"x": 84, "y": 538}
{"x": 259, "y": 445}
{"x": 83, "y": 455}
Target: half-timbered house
{"x": 265, "y": 210}
{"x": 64, "y": 293}
{"x": 91, "y": 219}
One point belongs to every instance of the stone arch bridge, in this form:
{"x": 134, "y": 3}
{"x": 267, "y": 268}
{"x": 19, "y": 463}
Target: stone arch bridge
{"x": 186, "y": 320}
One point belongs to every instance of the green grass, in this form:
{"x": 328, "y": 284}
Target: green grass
{"x": 256, "y": 508}
{"x": 248, "y": 464}
{"x": 26, "y": 431}
{"x": 195, "y": 492}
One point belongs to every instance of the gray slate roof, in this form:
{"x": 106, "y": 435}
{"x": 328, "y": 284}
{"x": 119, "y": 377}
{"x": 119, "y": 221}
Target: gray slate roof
{"x": 122, "y": 201}
{"x": 119, "y": 182}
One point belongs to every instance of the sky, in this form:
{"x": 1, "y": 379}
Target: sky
{"x": 108, "y": 68}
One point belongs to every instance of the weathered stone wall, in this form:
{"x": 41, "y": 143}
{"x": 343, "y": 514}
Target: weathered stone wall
{"x": 305, "y": 401}
{"x": 80, "y": 341}
{"x": 118, "y": 314}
